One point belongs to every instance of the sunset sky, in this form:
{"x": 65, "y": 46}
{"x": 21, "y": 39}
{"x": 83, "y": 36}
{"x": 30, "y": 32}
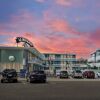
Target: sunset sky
{"x": 56, "y": 26}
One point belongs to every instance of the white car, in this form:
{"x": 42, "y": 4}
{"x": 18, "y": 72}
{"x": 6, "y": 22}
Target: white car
{"x": 57, "y": 74}
{"x": 77, "y": 74}
{"x": 98, "y": 74}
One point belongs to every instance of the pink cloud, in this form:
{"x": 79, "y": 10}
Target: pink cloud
{"x": 78, "y": 46}
{"x": 47, "y": 37}
{"x": 64, "y": 2}
{"x": 44, "y": 44}
{"x": 7, "y": 33}
{"x": 54, "y": 24}
{"x": 69, "y": 2}
{"x": 95, "y": 38}
{"x": 23, "y": 20}
{"x": 59, "y": 25}
{"x": 40, "y": 1}
{"x": 55, "y": 44}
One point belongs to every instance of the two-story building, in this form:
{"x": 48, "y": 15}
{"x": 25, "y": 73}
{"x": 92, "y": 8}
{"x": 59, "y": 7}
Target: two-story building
{"x": 59, "y": 61}
{"x": 94, "y": 59}
{"x": 28, "y": 58}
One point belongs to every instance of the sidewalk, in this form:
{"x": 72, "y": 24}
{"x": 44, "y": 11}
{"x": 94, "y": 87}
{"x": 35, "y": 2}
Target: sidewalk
{"x": 61, "y": 80}
{"x": 21, "y": 79}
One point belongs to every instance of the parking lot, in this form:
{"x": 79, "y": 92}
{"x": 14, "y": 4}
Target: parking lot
{"x": 71, "y": 79}
{"x": 60, "y": 89}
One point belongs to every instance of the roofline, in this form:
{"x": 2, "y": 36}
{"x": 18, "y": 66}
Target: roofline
{"x": 95, "y": 51}
{"x": 60, "y": 53}
{"x": 30, "y": 49}
{"x": 8, "y": 47}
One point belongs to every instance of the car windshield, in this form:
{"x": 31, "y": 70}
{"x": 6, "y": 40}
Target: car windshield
{"x": 39, "y": 72}
{"x": 91, "y": 72}
{"x": 9, "y": 70}
{"x": 78, "y": 71}
{"x": 65, "y": 72}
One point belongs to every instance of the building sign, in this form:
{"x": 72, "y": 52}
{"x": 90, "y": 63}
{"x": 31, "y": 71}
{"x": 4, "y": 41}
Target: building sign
{"x": 26, "y": 41}
{"x": 11, "y": 58}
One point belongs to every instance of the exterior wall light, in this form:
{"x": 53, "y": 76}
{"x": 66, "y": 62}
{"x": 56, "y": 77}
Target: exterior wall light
{"x": 11, "y": 58}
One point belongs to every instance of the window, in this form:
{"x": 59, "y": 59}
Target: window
{"x": 57, "y": 56}
{"x": 98, "y": 61}
{"x": 47, "y": 55}
{"x": 73, "y": 56}
{"x": 57, "y": 62}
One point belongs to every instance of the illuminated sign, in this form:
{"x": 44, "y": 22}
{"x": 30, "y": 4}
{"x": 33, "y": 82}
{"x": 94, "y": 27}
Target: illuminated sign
{"x": 11, "y": 58}
{"x": 26, "y": 41}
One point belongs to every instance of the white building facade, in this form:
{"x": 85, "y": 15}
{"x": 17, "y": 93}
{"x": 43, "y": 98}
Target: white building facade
{"x": 94, "y": 60}
{"x": 57, "y": 61}
{"x": 21, "y": 58}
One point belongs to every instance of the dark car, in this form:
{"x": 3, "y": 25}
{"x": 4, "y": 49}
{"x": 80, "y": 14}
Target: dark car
{"x": 63, "y": 74}
{"x": 9, "y": 75}
{"x": 89, "y": 74}
{"x": 37, "y": 76}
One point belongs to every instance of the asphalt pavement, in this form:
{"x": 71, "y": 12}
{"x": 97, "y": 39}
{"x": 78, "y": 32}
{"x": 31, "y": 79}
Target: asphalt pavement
{"x": 54, "y": 89}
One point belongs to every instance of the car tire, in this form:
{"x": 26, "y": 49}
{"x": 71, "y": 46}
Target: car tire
{"x": 60, "y": 77}
{"x": 2, "y": 81}
{"x": 31, "y": 82}
{"x": 44, "y": 81}
{"x": 15, "y": 81}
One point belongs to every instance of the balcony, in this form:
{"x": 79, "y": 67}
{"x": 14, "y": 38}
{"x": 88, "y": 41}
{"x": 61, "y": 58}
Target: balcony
{"x": 97, "y": 58}
{"x": 92, "y": 59}
{"x": 35, "y": 60}
{"x": 61, "y": 59}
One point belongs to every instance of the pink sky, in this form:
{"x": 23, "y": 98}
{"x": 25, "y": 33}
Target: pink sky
{"x": 59, "y": 26}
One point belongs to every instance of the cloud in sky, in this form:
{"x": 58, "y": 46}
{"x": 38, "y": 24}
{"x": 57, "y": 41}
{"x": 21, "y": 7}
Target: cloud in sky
{"x": 69, "y": 2}
{"x": 45, "y": 41}
{"x": 63, "y": 2}
{"x": 58, "y": 25}
{"x": 53, "y": 31}
{"x": 41, "y": 1}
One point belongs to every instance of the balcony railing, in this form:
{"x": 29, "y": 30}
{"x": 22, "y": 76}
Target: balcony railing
{"x": 97, "y": 58}
{"x": 35, "y": 60}
{"x": 61, "y": 59}
{"x": 92, "y": 59}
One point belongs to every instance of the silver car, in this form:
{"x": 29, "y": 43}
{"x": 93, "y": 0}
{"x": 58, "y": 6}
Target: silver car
{"x": 77, "y": 74}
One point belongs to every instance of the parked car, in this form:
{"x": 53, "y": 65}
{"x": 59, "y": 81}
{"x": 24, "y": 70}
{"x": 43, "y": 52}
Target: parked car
{"x": 77, "y": 74}
{"x": 63, "y": 74}
{"x": 98, "y": 74}
{"x": 37, "y": 76}
{"x": 9, "y": 75}
{"x": 89, "y": 74}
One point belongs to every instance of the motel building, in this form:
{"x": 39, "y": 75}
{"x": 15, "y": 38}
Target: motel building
{"x": 94, "y": 60}
{"x": 59, "y": 61}
{"x": 21, "y": 58}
